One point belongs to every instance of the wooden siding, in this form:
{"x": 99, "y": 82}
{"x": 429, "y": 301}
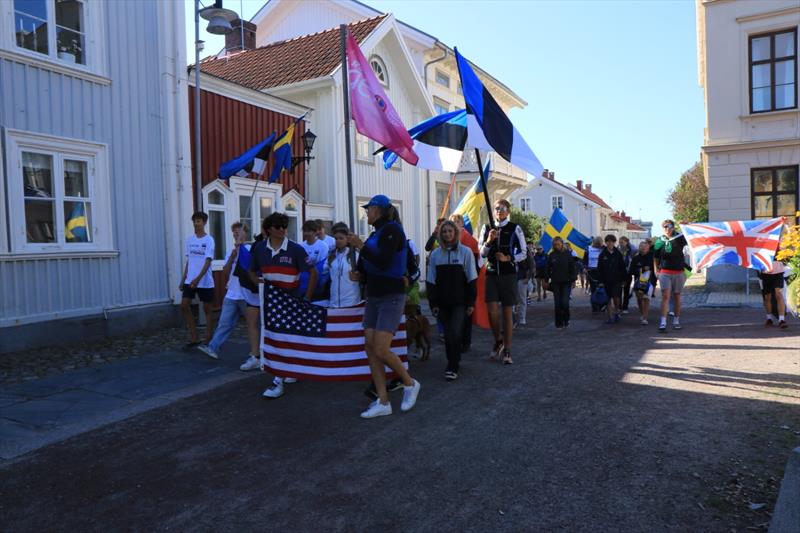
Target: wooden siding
{"x": 126, "y": 116}
{"x": 230, "y": 127}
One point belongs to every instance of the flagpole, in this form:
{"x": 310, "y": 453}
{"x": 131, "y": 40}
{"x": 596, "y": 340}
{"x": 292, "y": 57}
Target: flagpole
{"x": 346, "y": 98}
{"x": 449, "y": 193}
{"x": 485, "y": 189}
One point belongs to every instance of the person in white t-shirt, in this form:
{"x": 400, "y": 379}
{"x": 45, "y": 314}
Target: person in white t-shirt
{"x": 322, "y": 236}
{"x": 317, "y": 251}
{"x": 197, "y": 280}
{"x": 241, "y": 300}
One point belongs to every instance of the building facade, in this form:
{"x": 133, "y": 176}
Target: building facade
{"x": 94, "y": 165}
{"x": 747, "y": 67}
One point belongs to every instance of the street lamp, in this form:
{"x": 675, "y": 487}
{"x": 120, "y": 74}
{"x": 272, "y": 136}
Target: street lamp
{"x": 219, "y": 23}
{"x": 308, "y": 145}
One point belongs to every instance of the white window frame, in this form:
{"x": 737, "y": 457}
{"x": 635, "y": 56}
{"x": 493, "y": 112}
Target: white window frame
{"x": 557, "y": 200}
{"x": 438, "y": 102}
{"x": 227, "y": 195}
{"x": 291, "y": 204}
{"x": 368, "y": 158}
{"x": 60, "y": 148}
{"x": 241, "y": 187}
{"x": 94, "y": 30}
{"x": 443, "y": 75}
{"x": 383, "y": 76}
{"x": 525, "y": 204}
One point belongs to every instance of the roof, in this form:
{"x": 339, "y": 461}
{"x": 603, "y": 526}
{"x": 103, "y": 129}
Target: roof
{"x": 635, "y": 227}
{"x": 593, "y": 197}
{"x": 285, "y": 62}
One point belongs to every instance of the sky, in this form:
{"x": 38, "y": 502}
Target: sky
{"x": 612, "y": 89}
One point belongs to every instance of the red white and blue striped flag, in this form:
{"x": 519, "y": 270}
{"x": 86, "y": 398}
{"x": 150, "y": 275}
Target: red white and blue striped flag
{"x": 746, "y": 243}
{"x": 309, "y": 342}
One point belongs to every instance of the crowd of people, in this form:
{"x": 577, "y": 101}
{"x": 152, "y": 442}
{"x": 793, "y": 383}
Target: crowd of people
{"x": 341, "y": 270}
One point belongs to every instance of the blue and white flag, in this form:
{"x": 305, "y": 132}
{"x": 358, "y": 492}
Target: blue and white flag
{"x": 439, "y": 142}
{"x": 254, "y": 160}
{"x": 488, "y": 126}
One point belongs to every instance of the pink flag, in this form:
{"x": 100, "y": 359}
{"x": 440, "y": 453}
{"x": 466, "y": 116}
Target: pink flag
{"x": 371, "y": 109}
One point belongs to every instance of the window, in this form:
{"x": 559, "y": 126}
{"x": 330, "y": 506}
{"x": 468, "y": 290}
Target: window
{"x": 56, "y": 29}
{"x": 774, "y": 192}
{"x": 441, "y": 196}
{"x": 557, "y": 202}
{"x": 253, "y": 209}
{"x": 217, "y": 226}
{"x": 460, "y": 90}
{"x": 440, "y": 106}
{"x": 59, "y": 199}
{"x": 442, "y": 79}
{"x": 379, "y": 68}
{"x": 525, "y": 204}
{"x": 773, "y": 71}
{"x": 364, "y": 229}
{"x": 364, "y": 149}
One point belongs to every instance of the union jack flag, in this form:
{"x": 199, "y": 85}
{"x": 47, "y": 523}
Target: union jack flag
{"x": 747, "y": 243}
{"x": 309, "y": 342}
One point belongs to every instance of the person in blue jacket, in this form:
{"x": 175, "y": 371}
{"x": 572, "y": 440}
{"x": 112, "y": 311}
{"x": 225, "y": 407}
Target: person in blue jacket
{"x": 383, "y": 266}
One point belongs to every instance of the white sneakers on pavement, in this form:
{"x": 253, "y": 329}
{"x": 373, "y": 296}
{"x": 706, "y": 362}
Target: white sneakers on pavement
{"x": 276, "y": 391}
{"x": 410, "y": 396}
{"x": 252, "y": 363}
{"x": 206, "y": 349}
{"x": 377, "y": 409}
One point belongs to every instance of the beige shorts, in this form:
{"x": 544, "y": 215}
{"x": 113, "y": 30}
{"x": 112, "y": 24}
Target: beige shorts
{"x": 672, "y": 282}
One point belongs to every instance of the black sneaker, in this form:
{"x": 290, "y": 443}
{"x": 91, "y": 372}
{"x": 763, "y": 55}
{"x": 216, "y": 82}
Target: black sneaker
{"x": 370, "y": 392}
{"x": 450, "y": 375}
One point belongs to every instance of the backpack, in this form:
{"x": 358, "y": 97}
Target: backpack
{"x": 599, "y": 297}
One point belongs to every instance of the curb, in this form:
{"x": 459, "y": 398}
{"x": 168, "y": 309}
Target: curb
{"x": 786, "y": 518}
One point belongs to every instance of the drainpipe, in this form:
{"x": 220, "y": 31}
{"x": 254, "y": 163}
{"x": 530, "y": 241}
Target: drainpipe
{"x": 436, "y": 44}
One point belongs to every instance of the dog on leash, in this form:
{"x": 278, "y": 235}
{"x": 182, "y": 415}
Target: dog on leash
{"x": 418, "y": 330}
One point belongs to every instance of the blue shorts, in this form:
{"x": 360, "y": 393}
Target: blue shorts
{"x": 204, "y": 295}
{"x": 383, "y": 313}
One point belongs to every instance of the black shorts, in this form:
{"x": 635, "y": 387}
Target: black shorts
{"x": 204, "y": 295}
{"x": 770, "y": 282}
{"x": 614, "y": 290}
{"x": 501, "y": 288}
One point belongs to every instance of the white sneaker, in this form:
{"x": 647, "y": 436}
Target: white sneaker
{"x": 643, "y": 321}
{"x": 276, "y": 391}
{"x": 410, "y": 396}
{"x": 206, "y": 349}
{"x": 252, "y": 363}
{"x": 290, "y": 380}
{"x": 376, "y": 409}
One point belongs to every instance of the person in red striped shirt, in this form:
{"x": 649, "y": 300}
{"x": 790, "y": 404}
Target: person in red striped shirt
{"x": 279, "y": 261}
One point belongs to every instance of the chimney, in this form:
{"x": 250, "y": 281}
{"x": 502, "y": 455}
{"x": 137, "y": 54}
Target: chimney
{"x": 622, "y": 213}
{"x": 551, "y": 175}
{"x": 588, "y": 187}
{"x": 233, "y": 40}
{"x": 545, "y": 173}
{"x": 579, "y": 183}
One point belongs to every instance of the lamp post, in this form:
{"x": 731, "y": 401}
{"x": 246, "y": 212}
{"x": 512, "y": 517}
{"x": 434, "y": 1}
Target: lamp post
{"x": 308, "y": 145}
{"x": 219, "y": 23}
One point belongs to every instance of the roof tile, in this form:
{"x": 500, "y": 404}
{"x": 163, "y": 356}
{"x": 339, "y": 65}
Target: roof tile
{"x": 286, "y": 62}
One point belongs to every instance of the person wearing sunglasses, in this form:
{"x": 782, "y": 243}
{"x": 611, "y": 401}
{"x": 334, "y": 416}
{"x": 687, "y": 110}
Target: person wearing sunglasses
{"x": 670, "y": 264}
{"x": 280, "y": 261}
{"x": 502, "y": 247}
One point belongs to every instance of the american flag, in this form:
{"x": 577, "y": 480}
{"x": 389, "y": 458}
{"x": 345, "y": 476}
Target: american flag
{"x": 747, "y": 243}
{"x": 309, "y": 342}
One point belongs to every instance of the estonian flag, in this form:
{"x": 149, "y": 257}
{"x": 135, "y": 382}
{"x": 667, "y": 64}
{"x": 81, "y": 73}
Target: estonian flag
{"x": 470, "y": 205}
{"x": 439, "y": 142}
{"x": 254, "y": 160}
{"x": 560, "y": 226}
{"x": 282, "y": 153}
{"x": 77, "y": 229}
{"x": 489, "y": 127}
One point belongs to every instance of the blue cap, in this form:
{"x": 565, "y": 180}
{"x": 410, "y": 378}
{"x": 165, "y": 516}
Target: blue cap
{"x": 378, "y": 200}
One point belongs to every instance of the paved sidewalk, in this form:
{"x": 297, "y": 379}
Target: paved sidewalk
{"x": 40, "y": 412}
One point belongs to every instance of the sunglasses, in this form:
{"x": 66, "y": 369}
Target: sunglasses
{"x": 501, "y": 208}
{"x": 668, "y": 226}
{"x": 280, "y": 226}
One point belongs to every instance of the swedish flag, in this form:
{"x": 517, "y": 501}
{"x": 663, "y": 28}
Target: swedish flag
{"x": 470, "y": 205}
{"x": 560, "y": 226}
{"x": 283, "y": 153}
{"x": 77, "y": 228}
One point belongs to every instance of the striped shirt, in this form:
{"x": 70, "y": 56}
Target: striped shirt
{"x": 281, "y": 266}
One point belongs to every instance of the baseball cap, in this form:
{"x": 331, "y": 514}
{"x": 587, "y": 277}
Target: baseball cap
{"x": 378, "y": 200}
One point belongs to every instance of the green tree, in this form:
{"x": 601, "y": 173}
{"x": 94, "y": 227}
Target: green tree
{"x": 689, "y": 198}
{"x": 532, "y": 225}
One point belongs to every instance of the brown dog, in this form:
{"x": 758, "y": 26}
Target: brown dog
{"x": 418, "y": 330}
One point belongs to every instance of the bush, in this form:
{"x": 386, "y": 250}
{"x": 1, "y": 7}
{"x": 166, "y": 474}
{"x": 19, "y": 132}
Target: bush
{"x": 532, "y": 225}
